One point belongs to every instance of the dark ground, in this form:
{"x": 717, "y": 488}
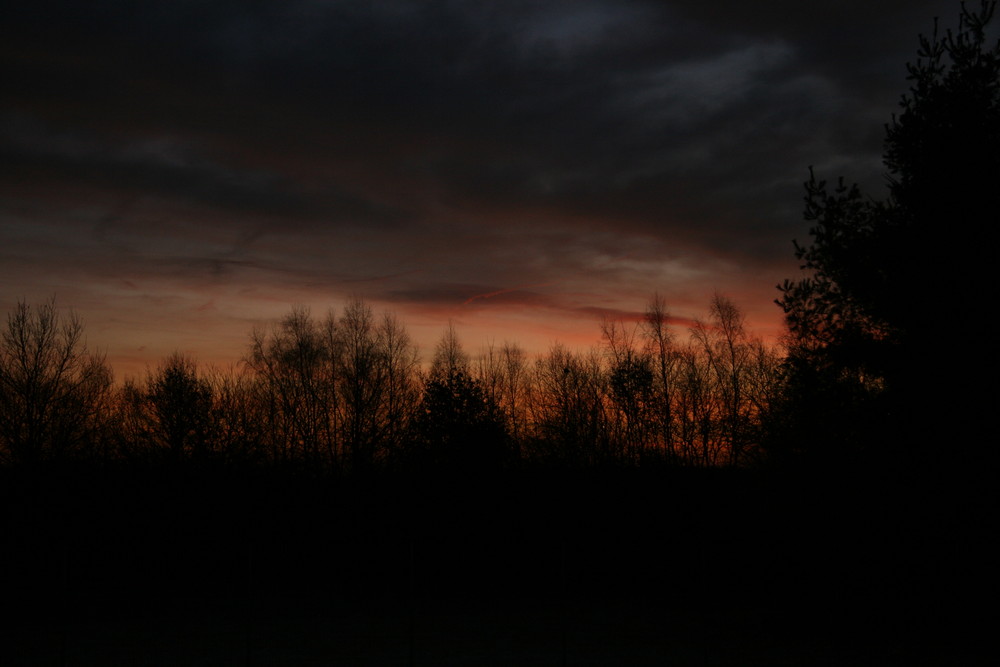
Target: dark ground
{"x": 199, "y": 566}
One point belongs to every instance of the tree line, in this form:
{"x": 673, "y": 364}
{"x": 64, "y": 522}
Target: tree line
{"x": 347, "y": 392}
{"x": 860, "y": 374}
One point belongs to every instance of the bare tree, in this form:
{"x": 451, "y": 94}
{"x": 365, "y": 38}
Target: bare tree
{"x": 240, "y": 433}
{"x": 449, "y": 355}
{"x": 400, "y": 387}
{"x": 569, "y": 407}
{"x": 341, "y": 389}
{"x": 763, "y": 386}
{"x": 630, "y": 381}
{"x": 295, "y": 363}
{"x": 488, "y": 371}
{"x": 696, "y": 408}
{"x": 53, "y": 392}
{"x": 362, "y": 376}
{"x": 661, "y": 342}
{"x": 129, "y": 432}
{"x": 503, "y": 373}
{"x": 741, "y": 373}
{"x": 515, "y": 389}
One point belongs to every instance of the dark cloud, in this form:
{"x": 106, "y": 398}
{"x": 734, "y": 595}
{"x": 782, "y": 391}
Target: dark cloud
{"x": 152, "y": 164}
{"x": 450, "y": 148}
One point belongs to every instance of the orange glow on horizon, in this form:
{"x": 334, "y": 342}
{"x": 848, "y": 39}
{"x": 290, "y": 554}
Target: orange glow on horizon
{"x": 217, "y": 333}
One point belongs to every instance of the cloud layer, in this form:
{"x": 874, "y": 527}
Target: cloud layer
{"x": 180, "y": 170}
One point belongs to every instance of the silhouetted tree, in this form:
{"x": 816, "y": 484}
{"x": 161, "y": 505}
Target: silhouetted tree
{"x": 362, "y": 376}
{"x": 295, "y": 362}
{"x": 503, "y": 374}
{"x": 180, "y": 407}
{"x": 838, "y": 349}
{"x": 863, "y": 347}
{"x": 660, "y": 340}
{"x": 457, "y": 425}
{"x": 53, "y": 392}
{"x": 728, "y": 352}
{"x": 340, "y": 389}
{"x": 569, "y": 407}
{"x": 129, "y": 432}
{"x": 630, "y": 388}
{"x": 400, "y": 388}
{"x": 697, "y": 409}
{"x": 239, "y": 429}
{"x": 450, "y": 356}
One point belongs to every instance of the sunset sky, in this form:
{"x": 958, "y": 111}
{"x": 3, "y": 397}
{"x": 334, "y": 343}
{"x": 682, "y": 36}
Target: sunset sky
{"x": 179, "y": 172}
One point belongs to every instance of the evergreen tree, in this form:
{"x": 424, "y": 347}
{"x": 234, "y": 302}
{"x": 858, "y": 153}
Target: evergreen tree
{"x": 867, "y": 356}
{"x": 457, "y": 425}
{"x": 181, "y": 407}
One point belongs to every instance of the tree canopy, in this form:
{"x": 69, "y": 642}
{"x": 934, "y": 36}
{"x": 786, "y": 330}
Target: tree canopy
{"x": 865, "y": 322}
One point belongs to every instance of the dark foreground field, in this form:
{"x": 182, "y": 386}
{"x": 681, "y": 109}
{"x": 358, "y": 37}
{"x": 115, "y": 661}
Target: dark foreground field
{"x": 199, "y": 566}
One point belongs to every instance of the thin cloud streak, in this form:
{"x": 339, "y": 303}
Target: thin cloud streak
{"x": 510, "y": 290}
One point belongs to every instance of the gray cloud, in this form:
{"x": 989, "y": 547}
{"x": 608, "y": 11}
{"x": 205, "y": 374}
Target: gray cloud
{"x": 450, "y": 148}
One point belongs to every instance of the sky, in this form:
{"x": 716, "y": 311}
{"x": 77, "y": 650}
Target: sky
{"x": 180, "y": 172}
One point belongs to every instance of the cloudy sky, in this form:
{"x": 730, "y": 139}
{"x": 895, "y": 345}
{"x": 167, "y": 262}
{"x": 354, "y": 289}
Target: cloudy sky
{"x": 178, "y": 172}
